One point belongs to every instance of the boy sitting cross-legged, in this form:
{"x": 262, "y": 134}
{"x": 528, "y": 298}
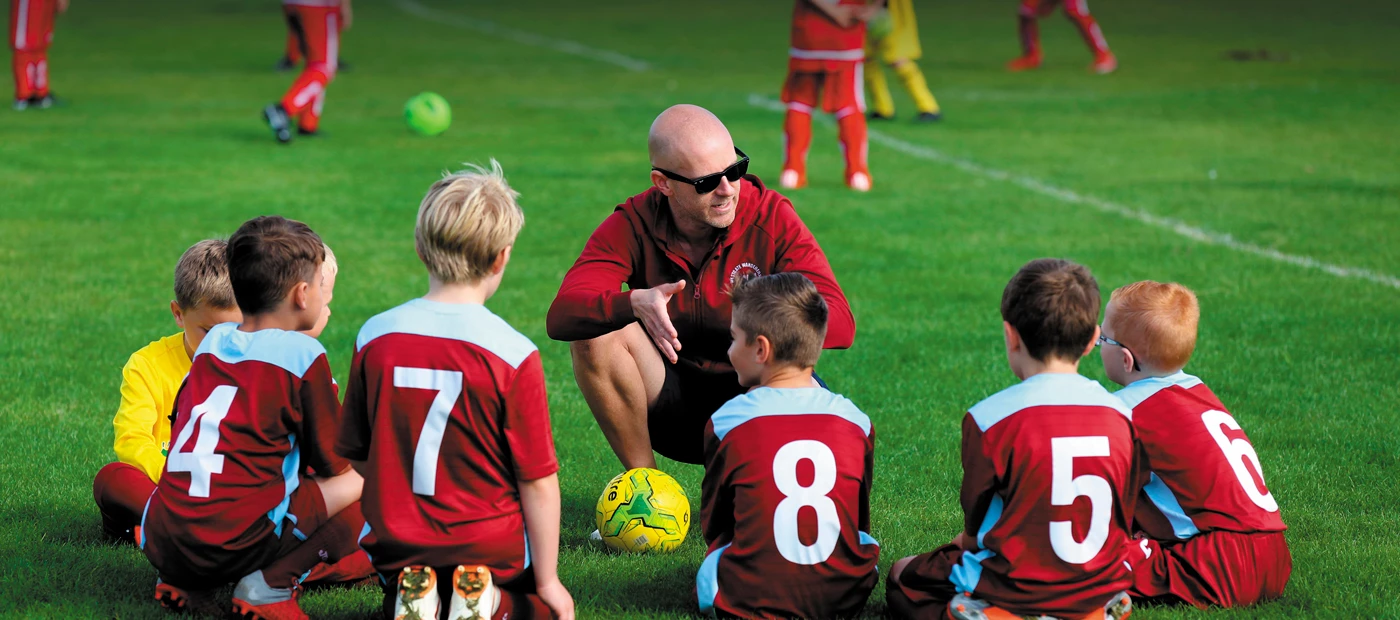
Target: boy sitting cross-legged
{"x": 446, "y": 416}
{"x": 1047, "y": 491}
{"x": 1211, "y": 530}
{"x": 788, "y": 468}
{"x": 257, "y": 406}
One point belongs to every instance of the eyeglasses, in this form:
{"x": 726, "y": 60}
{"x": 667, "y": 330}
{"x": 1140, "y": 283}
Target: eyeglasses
{"x": 708, "y": 183}
{"x": 1103, "y": 340}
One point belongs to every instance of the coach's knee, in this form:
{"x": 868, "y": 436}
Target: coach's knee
{"x": 607, "y": 347}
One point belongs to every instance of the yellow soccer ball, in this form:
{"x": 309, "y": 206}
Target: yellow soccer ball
{"x": 643, "y": 510}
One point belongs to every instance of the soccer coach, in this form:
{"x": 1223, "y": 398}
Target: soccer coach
{"x": 652, "y": 361}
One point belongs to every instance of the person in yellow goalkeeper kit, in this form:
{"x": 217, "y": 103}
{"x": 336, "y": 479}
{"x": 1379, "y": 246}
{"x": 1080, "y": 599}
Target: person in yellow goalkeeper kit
{"x": 898, "y": 47}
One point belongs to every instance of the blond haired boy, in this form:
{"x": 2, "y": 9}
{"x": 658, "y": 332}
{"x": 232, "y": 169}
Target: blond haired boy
{"x": 446, "y": 416}
{"x": 762, "y": 560}
{"x": 1211, "y": 533}
{"x": 150, "y": 380}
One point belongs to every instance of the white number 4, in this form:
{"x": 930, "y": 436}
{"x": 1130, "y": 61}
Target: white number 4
{"x": 201, "y": 462}
{"x": 448, "y": 384}
{"x": 1236, "y": 452}
{"x": 1065, "y": 487}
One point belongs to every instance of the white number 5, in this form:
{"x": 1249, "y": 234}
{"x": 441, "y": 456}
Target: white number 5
{"x": 1236, "y": 452}
{"x": 448, "y": 384}
{"x": 1065, "y": 487}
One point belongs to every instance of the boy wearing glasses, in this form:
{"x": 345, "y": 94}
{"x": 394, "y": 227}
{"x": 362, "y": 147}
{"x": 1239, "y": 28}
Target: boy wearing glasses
{"x": 1211, "y": 533}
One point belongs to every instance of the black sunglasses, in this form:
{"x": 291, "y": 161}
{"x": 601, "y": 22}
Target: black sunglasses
{"x": 1106, "y": 340}
{"x": 708, "y": 183}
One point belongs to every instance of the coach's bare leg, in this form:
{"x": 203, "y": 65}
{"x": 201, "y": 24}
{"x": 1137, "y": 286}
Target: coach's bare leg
{"x": 620, "y": 375}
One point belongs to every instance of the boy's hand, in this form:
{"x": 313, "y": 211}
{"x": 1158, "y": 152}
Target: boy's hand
{"x": 556, "y": 598}
{"x": 649, "y": 306}
{"x": 62, "y": 6}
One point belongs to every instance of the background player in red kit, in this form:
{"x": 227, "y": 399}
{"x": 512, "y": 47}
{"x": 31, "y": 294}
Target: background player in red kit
{"x": 320, "y": 23}
{"x": 1211, "y": 530}
{"x": 786, "y": 450}
{"x": 826, "y": 65}
{"x": 256, "y": 408}
{"x": 1078, "y": 12}
{"x": 702, "y": 227}
{"x": 1047, "y": 491}
{"x": 446, "y": 415}
{"x": 31, "y": 33}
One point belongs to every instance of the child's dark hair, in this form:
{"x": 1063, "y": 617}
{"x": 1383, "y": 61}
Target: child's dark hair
{"x": 1054, "y": 306}
{"x": 786, "y": 309}
{"x": 269, "y": 255}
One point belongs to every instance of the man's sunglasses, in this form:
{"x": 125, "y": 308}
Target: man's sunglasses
{"x": 708, "y": 183}
{"x": 1103, "y": 340}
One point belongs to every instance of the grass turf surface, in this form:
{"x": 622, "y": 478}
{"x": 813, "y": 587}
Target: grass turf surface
{"x": 161, "y": 146}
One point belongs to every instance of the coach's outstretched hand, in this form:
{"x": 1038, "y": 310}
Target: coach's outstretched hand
{"x": 557, "y": 599}
{"x": 649, "y": 306}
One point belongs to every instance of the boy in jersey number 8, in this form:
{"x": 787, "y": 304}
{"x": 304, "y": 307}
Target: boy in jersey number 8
{"x": 446, "y": 415}
{"x": 1211, "y": 533}
{"x": 786, "y": 448}
{"x": 1047, "y": 491}
{"x": 257, "y": 406}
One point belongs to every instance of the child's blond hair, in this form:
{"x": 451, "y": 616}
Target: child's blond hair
{"x": 465, "y": 221}
{"x": 201, "y": 277}
{"x": 328, "y": 266}
{"x": 1157, "y": 322}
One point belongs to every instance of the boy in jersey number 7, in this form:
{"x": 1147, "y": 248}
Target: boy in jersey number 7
{"x": 1047, "y": 490}
{"x": 257, "y": 406}
{"x": 447, "y": 418}
{"x": 785, "y": 449}
{"x": 1211, "y": 533}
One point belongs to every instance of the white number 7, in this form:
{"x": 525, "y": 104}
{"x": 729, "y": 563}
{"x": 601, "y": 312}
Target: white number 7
{"x": 1065, "y": 487}
{"x": 200, "y": 461}
{"x": 448, "y": 384}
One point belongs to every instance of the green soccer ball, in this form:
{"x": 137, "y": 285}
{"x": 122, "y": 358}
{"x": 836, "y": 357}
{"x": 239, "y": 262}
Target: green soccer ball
{"x": 428, "y": 114}
{"x": 880, "y": 25}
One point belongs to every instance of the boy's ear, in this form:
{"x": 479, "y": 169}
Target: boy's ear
{"x": 763, "y": 348}
{"x": 1125, "y": 357}
{"x": 1013, "y": 338}
{"x": 499, "y": 265}
{"x": 300, "y": 295}
{"x": 178, "y": 313}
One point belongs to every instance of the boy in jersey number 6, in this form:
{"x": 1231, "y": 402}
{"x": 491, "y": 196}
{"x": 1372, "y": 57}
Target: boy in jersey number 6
{"x": 446, "y": 416}
{"x": 1047, "y": 491}
{"x": 1211, "y": 533}
{"x": 257, "y": 406}
{"x": 786, "y": 448}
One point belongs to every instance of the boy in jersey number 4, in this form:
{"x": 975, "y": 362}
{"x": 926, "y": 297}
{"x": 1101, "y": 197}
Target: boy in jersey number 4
{"x": 1047, "y": 491}
{"x": 1211, "y": 533}
{"x": 786, "y": 451}
{"x": 446, "y": 417}
{"x": 257, "y": 407}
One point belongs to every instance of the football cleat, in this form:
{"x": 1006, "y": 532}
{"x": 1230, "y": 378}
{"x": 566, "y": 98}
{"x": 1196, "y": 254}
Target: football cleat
{"x": 253, "y": 599}
{"x": 859, "y": 181}
{"x": 1024, "y": 63}
{"x": 596, "y": 536}
{"x": 474, "y": 597}
{"x": 418, "y": 596}
{"x": 792, "y": 179}
{"x": 276, "y": 117}
{"x": 964, "y": 607}
{"x": 309, "y": 133}
{"x": 21, "y": 104}
{"x": 285, "y": 64}
{"x": 43, "y": 103}
{"x": 201, "y": 602}
{"x": 929, "y": 117}
{"x": 876, "y": 116}
{"x": 1105, "y": 63}
{"x": 351, "y": 569}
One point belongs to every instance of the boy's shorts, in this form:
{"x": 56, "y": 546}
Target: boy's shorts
{"x": 838, "y": 87}
{"x": 1228, "y": 569}
{"x": 191, "y": 564}
{"x": 499, "y": 543}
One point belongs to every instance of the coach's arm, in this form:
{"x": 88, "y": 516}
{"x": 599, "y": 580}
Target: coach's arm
{"x": 798, "y": 251}
{"x": 591, "y": 301}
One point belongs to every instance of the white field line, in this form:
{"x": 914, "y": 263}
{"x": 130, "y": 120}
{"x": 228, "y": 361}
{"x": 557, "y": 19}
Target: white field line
{"x": 522, "y": 37}
{"x": 1070, "y": 196}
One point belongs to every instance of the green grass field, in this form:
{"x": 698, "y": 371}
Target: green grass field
{"x": 161, "y": 145}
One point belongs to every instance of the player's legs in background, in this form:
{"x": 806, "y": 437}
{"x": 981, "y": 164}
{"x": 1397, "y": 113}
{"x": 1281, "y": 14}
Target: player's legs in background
{"x": 1078, "y": 13}
{"x": 800, "y": 95}
{"x": 322, "y": 31}
{"x": 121, "y": 492}
{"x": 881, "y": 102}
{"x": 1028, "y": 18}
{"x": 846, "y": 91}
{"x": 914, "y": 82}
{"x": 294, "y": 51}
{"x": 31, "y": 30}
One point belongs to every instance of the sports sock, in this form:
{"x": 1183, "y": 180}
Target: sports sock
{"x": 334, "y": 540}
{"x": 121, "y": 491}
{"x": 41, "y": 73}
{"x": 913, "y": 80}
{"x": 303, "y": 93}
{"x": 797, "y": 132}
{"x": 24, "y": 78}
{"x": 851, "y": 130}
{"x": 1088, "y": 28}
{"x": 1030, "y": 35}
{"x": 881, "y": 102}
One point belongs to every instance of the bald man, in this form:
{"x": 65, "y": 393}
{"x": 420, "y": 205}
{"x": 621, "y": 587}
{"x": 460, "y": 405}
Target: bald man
{"x": 651, "y": 360}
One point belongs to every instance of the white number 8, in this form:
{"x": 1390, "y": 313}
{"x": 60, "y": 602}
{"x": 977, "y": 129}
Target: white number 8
{"x": 796, "y": 496}
{"x": 1236, "y": 452}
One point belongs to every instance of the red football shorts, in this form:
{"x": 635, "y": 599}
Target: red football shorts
{"x": 193, "y": 565}
{"x": 1042, "y": 8}
{"x": 31, "y": 24}
{"x": 840, "y": 86}
{"x": 1228, "y": 569}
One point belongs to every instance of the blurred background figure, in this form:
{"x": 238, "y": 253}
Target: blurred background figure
{"x": 317, "y": 24}
{"x": 894, "y": 40}
{"x": 31, "y": 32}
{"x": 1078, "y": 12}
{"x": 296, "y": 43}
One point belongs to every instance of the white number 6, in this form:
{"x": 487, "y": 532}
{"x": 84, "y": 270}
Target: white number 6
{"x": 1236, "y": 452}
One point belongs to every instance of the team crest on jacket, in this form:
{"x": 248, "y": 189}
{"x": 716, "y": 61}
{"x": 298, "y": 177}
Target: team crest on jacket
{"x": 743, "y": 272}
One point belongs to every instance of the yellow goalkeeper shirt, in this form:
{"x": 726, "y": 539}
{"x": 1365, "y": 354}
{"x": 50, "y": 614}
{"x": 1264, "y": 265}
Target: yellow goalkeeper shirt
{"x": 150, "y": 380}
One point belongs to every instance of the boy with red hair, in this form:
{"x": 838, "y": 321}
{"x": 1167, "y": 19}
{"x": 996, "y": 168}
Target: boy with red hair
{"x": 1210, "y": 530}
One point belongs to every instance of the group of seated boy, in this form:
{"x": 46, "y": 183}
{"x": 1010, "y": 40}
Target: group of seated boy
{"x": 441, "y": 461}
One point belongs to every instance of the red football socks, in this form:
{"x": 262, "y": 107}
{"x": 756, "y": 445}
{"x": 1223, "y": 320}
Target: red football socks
{"x": 31, "y": 71}
{"x": 339, "y": 537}
{"x": 306, "y": 96}
{"x": 855, "y": 145}
{"x": 797, "y": 130}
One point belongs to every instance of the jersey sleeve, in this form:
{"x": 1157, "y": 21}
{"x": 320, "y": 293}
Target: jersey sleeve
{"x": 136, "y": 419}
{"x": 867, "y": 483}
{"x": 320, "y": 420}
{"x": 979, "y": 477}
{"x": 527, "y": 422}
{"x": 798, "y": 252}
{"x": 353, "y": 441}
{"x": 591, "y": 301}
{"x": 716, "y": 495}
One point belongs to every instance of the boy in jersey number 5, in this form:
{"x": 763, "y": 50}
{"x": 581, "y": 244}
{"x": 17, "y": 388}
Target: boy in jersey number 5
{"x": 1047, "y": 492}
{"x": 786, "y": 448}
